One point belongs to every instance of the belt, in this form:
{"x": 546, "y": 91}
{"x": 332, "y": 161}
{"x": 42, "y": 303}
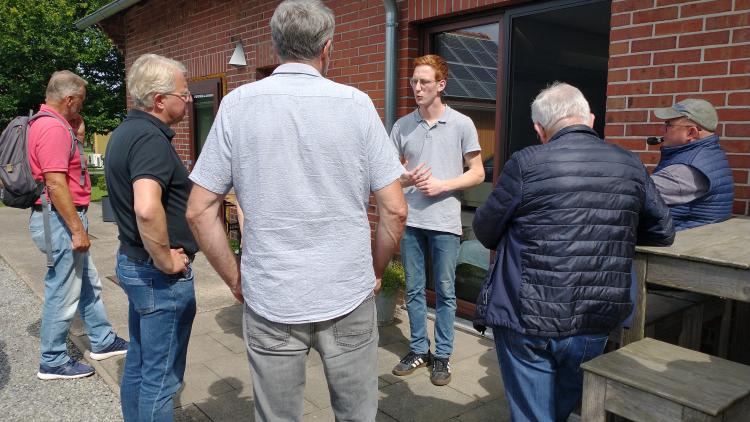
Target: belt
{"x": 79, "y": 208}
{"x": 141, "y": 254}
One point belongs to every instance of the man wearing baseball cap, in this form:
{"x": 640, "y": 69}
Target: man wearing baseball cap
{"x": 693, "y": 174}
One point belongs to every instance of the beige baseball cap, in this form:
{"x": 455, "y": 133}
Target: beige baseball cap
{"x": 697, "y": 110}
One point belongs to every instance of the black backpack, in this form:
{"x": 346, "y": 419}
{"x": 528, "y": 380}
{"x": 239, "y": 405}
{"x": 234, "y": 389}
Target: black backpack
{"x": 18, "y": 189}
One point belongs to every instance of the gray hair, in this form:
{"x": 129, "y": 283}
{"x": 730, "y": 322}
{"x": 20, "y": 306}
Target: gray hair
{"x": 559, "y": 105}
{"x": 64, "y": 83}
{"x": 152, "y": 74}
{"x": 300, "y": 29}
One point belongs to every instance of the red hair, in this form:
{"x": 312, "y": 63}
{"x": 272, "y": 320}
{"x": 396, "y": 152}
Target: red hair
{"x": 436, "y": 62}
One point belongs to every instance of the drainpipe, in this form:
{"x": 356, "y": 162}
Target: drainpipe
{"x": 391, "y": 69}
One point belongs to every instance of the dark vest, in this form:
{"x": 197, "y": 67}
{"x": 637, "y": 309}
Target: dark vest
{"x": 716, "y": 205}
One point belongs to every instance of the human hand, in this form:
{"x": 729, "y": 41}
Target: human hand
{"x": 178, "y": 262}
{"x": 417, "y": 175}
{"x": 376, "y": 290}
{"x": 80, "y": 240}
{"x": 237, "y": 291}
{"x": 431, "y": 187}
{"x": 79, "y": 128}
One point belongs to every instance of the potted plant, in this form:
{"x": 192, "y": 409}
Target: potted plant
{"x": 393, "y": 282}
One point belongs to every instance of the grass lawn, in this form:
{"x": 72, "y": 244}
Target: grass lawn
{"x": 96, "y": 194}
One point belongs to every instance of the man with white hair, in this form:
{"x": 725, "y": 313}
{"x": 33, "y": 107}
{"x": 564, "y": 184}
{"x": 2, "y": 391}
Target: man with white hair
{"x": 71, "y": 282}
{"x": 148, "y": 187}
{"x": 303, "y": 154}
{"x": 564, "y": 219}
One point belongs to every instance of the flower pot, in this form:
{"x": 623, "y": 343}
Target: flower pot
{"x": 386, "y": 308}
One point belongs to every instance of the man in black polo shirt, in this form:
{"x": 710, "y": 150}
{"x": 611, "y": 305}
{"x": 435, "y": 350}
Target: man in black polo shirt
{"x": 148, "y": 187}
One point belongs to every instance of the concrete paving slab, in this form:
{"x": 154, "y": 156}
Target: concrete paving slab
{"x": 204, "y": 348}
{"x": 234, "y": 369}
{"x": 231, "y": 339}
{"x": 190, "y": 413}
{"x": 200, "y": 384}
{"x": 316, "y": 387}
{"x": 231, "y": 406}
{"x": 496, "y": 410}
{"x": 417, "y": 400}
{"x": 477, "y": 377}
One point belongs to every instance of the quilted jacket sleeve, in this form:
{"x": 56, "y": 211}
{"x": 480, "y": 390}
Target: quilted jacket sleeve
{"x": 492, "y": 218}
{"x": 655, "y": 226}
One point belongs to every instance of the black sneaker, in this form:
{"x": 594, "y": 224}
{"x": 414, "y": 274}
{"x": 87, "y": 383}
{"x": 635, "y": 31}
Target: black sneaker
{"x": 411, "y": 362}
{"x": 441, "y": 371}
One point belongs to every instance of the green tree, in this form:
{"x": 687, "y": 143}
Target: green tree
{"x": 39, "y": 37}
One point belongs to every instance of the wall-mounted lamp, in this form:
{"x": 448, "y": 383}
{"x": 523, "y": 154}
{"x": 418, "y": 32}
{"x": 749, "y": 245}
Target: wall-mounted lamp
{"x": 238, "y": 57}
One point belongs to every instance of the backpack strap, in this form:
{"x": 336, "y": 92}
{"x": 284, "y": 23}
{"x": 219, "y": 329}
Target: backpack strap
{"x": 45, "y": 202}
{"x": 74, "y": 144}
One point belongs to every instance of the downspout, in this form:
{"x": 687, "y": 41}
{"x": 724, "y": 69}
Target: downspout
{"x": 391, "y": 69}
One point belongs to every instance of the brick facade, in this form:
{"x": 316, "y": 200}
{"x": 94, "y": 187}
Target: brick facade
{"x": 661, "y": 51}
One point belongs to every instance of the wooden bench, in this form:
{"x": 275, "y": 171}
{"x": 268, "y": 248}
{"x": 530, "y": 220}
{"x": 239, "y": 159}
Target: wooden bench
{"x": 650, "y": 380}
{"x": 671, "y": 311}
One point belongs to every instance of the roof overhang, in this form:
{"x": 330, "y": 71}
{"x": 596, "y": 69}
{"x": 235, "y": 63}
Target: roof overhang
{"x": 104, "y": 12}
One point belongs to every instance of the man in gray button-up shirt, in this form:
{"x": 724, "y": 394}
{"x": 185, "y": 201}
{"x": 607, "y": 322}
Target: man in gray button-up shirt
{"x": 303, "y": 154}
{"x": 436, "y": 143}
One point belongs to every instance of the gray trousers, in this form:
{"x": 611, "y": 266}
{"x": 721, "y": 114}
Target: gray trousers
{"x": 348, "y": 346}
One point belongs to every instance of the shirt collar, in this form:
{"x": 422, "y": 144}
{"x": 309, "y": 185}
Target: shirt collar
{"x": 48, "y": 109}
{"x": 140, "y": 114}
{"x": 296, "y": 68}
{"x": 442, "y": 119}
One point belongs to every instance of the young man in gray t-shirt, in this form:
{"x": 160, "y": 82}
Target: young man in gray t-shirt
{"x": 435, "y": 142}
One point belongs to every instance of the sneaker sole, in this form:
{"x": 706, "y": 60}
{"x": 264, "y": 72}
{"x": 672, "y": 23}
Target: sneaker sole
{"x": 47, "y": 377}
{"x": 441, "y": 383}
{"x": 102, "y": 356}
{"x": 408, "y": 371}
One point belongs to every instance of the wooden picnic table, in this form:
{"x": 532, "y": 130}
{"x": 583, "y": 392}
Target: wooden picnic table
{"x": 713, "y": 259}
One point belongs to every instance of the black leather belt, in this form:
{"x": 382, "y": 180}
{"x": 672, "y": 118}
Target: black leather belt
{"x": 141, "y": 254}
{"x": 79, "y": 208}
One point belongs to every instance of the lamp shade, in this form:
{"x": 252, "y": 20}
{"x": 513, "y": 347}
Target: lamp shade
{"x": 238, "y": 57}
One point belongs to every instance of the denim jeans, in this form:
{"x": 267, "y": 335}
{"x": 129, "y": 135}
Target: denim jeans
{"x": 348, "y": 347}
{"x": 161, "y": 309}
{"x": 542, "y": 376}
{"x": 71, "y": 284}
{"x": 443, "y": 252}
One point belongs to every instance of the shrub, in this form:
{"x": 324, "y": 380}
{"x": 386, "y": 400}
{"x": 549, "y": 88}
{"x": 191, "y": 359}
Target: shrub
{"x": 393, "y": 280}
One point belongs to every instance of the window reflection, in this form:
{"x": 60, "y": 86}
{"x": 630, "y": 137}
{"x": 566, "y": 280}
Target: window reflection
{"x": 472, "y": 56}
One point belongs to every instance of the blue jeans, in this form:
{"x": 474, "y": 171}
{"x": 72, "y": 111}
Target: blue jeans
{"x": 542, "y": 376}
{"x": 161, "y": 309}
{"x": 71, "y": 284}
{"x": 443, "y": 251}
{"x": 348, "y": 347}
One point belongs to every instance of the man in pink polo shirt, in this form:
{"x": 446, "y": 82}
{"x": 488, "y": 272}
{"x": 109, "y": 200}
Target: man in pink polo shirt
{"x": 72, "y": 283}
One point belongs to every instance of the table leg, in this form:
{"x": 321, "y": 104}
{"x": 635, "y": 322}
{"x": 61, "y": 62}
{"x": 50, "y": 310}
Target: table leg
{"x": 636, "y": 331}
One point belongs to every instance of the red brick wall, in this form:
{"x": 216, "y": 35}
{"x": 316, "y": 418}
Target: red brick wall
{"x": 663, "y": 51}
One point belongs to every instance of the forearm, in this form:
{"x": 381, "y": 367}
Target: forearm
{"x": 387, "y": 236}
{"x": 61, "y": 198}
{"x": 208, "y": 230}
{"x": 468, "y": 179}
{"x": 152, "y": 227}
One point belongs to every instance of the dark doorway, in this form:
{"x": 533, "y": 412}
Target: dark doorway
{"x": 207, "y": 94}
{"x": 567, "y": 44}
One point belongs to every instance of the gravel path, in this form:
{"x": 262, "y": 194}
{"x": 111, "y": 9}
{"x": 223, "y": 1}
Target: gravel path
{"x": 23, "y": 397}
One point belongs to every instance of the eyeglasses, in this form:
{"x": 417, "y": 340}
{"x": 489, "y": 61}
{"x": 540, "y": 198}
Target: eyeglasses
{"x": 184, "y": 96}
{"x": 422, "y": 82}
{"x": 669, "y": 124}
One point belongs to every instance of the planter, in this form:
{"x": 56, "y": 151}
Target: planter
{"x": 386, "y": 308}
{"x": 108, "y": 216}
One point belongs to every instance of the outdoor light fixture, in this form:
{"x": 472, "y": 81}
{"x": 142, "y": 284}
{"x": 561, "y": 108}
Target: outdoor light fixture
{"x": 238, "y": 57}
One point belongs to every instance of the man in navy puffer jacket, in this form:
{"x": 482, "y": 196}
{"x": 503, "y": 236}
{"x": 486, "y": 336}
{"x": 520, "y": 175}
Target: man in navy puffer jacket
{"x": 564, "y": 219}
